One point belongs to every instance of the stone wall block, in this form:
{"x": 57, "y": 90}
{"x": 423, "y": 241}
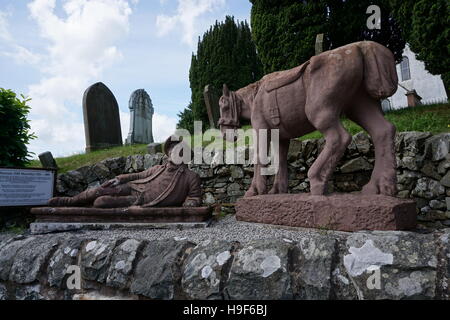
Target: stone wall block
{"x": 207, "y": 269}
{"x": 8, "y": 253}
{"x": 30, "y": 262}
{"x": 122, "y": 264}
{"x": 260, "y": 272}
{"x": 96, "y": 257}
{"x": 386, "y": 265}
{"x": 65, "y": 256}
{"x": 158, "y": 272}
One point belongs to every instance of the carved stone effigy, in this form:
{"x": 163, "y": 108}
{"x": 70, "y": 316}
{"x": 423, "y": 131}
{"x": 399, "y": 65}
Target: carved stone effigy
{"x": 295, "y": 102}
{"x": 166, "y": 193}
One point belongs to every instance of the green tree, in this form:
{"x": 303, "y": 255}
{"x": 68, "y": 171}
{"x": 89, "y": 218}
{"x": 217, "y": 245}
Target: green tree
{"x": 347, "y": 22}
{"x": 14, "y": 133}
{"x": 225, "y": 54}
{"x": 285, "y": 31}
{"x": 186, "y": 118}
{"x": 426, "y": 28}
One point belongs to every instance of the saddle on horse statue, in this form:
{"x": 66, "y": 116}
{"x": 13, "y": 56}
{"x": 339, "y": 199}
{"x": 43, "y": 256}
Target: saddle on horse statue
{"x": 280, "y": 79}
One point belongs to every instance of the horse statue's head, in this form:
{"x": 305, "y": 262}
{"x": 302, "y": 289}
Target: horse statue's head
{"x": 230, "y": 110}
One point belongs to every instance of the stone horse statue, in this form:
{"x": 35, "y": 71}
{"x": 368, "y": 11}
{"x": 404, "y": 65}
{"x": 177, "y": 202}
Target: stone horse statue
{"x": 349, "y": 80}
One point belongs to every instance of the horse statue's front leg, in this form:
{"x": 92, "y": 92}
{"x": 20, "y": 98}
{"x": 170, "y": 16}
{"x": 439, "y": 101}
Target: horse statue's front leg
{"x": 259, "y": 181}
{"x": 280, "y": 183}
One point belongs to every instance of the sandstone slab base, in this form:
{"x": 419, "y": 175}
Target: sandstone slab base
{"x": 128, "y": 215}
{"x": 343, "y": 212}
{"x": 50, "y": 227}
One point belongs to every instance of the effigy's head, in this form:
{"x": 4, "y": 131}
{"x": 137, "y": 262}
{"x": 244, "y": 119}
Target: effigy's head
{"x": 177, "y": 150}
{"x": 230, "y": 106}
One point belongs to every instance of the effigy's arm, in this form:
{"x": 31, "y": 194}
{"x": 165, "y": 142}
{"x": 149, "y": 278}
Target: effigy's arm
{"x": 194, "y": 197}
{"x": 124, "y": 178}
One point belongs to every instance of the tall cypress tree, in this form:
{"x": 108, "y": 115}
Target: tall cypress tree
{"x": 225, "y": 54}
{"x": 347, "y": 22}
{"x": 285, "y": 30}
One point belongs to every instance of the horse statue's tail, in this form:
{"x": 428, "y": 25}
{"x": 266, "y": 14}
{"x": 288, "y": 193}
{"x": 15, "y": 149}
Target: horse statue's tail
{"x": 380, "y": 74}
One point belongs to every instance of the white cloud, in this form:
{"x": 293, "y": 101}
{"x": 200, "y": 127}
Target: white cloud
{"x": 163, "y": 127}
{"x": 82, "y": 44}
{"x": 124, "y": 124}
{"x": 188, "y": 12}
{"x": 10, "y": 48}
{"x": 4, "y": 26}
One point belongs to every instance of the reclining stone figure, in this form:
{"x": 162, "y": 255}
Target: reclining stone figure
{"x": 166, "y": 185}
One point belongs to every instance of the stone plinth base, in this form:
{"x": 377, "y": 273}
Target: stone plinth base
{"x": 119, "y": 215}
{"x": 344, "y": 212}
{"x": 49, "y": 227}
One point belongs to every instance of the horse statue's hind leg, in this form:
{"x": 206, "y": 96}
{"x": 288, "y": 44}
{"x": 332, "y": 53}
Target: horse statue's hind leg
{"x": 366, "y": 111}
{"x": 325, "y": 118}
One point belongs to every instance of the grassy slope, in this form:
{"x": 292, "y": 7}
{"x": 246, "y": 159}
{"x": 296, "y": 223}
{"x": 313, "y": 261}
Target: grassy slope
{"x": 434, "y": 119}
{"x": 79, "y": 160}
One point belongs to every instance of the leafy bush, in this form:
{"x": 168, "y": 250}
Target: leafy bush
{"x": 14, "y": 129}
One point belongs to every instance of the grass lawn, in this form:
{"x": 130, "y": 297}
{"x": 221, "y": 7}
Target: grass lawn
{"x": 433, "y": 118}
{"x": 79, "y": 160}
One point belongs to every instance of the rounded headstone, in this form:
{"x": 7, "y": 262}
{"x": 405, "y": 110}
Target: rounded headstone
{"x": 101, "y": 118}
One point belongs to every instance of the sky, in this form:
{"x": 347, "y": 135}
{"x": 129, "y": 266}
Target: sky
{"x": 52, "y": 50}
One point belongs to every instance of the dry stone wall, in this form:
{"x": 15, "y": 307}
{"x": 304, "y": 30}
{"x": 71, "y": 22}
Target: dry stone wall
{"x": 423, "y": 173}
{"x": 233, "y": 260}
{"x": 316, "y": 265}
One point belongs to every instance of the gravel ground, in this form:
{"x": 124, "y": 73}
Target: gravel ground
{"x": 4, "y": 236}
{"x": 226, "y": 228}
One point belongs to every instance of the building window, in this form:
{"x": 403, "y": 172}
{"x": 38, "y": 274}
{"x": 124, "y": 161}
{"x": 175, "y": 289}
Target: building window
{"x": 404, "y": 69}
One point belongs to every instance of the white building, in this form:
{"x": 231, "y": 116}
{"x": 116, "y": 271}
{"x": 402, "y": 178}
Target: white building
{"x": 412, "y": 75}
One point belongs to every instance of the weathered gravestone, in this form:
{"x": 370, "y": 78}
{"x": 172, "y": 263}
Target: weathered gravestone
{"x": 101, "y": 118}
{"x": 212, "y": 105}
{"x": 47, "y": 160}
{"x": 154, "y": 147}
{"x": 319, "y": 44}
{"x": 141, "y": 114}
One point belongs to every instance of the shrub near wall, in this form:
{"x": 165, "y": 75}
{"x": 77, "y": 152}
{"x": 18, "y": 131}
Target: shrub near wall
{"x": 14, "y": 133}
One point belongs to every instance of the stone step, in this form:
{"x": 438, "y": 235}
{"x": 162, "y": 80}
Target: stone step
{"x": 131, "y": 214}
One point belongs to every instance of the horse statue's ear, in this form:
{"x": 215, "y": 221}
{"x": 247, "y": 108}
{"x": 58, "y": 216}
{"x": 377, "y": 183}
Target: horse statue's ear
{"x": 225, "y": 90}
